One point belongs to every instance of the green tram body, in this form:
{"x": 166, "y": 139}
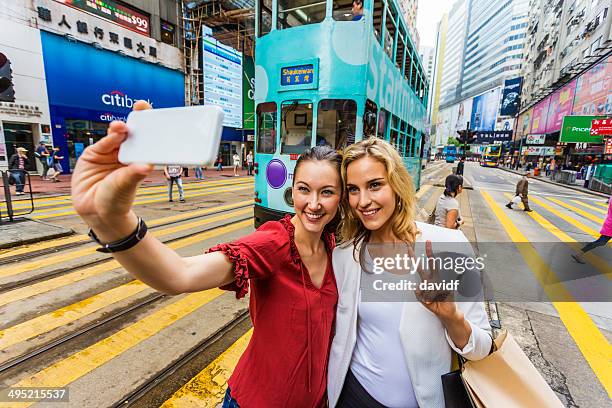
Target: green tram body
{"x": 331, "y": 82}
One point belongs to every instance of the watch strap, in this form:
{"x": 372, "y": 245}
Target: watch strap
{"x": 122, "y": 244}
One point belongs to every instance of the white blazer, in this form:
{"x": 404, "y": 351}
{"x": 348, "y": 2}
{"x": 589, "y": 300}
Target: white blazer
{"x": 426, "y": 344}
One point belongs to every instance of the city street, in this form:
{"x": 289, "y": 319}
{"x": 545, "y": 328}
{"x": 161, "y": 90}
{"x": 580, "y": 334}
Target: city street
{"x": 72, "y": 317}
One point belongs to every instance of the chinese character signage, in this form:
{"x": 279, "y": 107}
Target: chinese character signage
{"x": 297, "y": 75}
{"x": 601, "y": 127}
{"x": 117, "y": 13}
{"x": 608, "y": 148}
{"x": 538, "y": 151}
{"x": 535, "y": 139}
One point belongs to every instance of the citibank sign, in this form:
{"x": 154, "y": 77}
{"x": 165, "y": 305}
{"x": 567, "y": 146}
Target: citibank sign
{"x": 118, "y": 98}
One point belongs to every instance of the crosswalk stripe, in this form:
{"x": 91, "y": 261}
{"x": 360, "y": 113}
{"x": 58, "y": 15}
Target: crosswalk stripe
{"x": 74, "y": 254}
{"x": 54, "y": 283}
{"x": 604, "y": 205}
{"x": 151, "y": 223}
{"x": 599, "y": 210}
{"x": 593, "y": 259}
{"x": 207, "y": 388}
{"x": 593, "y": 345}
{"x": 75, "y": 366}
{"x": 68, "y": 314}
{"x": 154, "y": 200}
{"x": 577, "y": 210}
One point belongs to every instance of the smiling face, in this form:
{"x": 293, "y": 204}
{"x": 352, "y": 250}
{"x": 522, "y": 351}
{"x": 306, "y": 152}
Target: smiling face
{"x": 370, "y": 195}
{"x": 316, "y": 194}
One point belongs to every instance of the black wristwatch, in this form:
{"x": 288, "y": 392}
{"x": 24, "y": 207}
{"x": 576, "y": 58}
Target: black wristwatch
{"x": 123, "y": 244}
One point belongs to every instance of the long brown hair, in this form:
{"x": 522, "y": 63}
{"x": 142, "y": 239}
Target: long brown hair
{"x": 403, "y": 226}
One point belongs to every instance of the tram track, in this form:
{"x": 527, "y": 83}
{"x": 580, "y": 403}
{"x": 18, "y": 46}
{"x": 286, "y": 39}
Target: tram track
{"x": 86, "y": 240}
{"x": 62, "y": 271}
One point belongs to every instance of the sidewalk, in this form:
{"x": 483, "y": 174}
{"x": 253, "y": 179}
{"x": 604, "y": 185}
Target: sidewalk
{"x": 576, "y": 187}
{"x": 48, "y": 188}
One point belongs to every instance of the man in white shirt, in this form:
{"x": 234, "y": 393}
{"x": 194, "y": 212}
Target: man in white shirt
{"x": 173, "y": 175}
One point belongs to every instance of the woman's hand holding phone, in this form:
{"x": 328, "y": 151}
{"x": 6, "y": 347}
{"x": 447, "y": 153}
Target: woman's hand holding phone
{"x": 103, "y": 190}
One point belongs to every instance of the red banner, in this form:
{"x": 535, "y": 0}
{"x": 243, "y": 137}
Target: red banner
{"x": 601, "y": 127}
{"x": 608, "y": 147}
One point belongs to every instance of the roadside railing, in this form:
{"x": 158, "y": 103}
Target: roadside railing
{"x": 9, "y": 207}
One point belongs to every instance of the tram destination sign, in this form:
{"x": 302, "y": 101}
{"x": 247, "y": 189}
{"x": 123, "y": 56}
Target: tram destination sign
{"x": 298, "y": 75}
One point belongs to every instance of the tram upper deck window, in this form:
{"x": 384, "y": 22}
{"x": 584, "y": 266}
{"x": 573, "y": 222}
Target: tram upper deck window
{"x": 390, "y": 31}
{"x": 266, "y": 127}
{"x": 379, "y": 8}
{"x": 296, "y": 127}
{"x": 336, "y": 121}
{"x": 293, "y": 13}
{"x": 348, "y": 10}
{"x": 264, "y": 17}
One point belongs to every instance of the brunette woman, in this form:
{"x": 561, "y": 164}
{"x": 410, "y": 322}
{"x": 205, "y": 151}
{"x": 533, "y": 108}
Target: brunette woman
{"x": 287, "y": 263}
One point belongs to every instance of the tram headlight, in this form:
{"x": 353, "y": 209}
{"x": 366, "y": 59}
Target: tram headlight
{"x": 288, "y": 197}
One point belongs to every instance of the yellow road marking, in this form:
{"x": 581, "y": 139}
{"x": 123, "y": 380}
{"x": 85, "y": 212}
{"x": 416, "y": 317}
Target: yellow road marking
{"x": 425, "y": 188}
{"x": 568, "y": 219}
{"x": 63, "y": 257}
{"x": 593, "y": 259}
{"x": 81, "y": 237}
{"x": 591, "y": 207}
{"x": 592, "y": 343}
{"x": 604, "y": 205}
{"x": 207, "y": 388}
{"x": 50, "y": 321}
{"x": 54, "y": 283}
{"x": 577, "y": 210}
{"x": 154, "y": 200}
{"x": 84, "y": 361}
{"x": 159, "y": 192}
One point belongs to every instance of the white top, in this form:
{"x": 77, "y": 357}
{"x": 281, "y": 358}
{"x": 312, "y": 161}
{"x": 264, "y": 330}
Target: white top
{"x": 249, "y": 158}
{"x": 236, "y": 159}
{"x": 444, "y": 205}
{"x": 378, "y": 361}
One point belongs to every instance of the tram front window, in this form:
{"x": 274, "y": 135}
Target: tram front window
{"x": 266, "y": 128}
{"x": 336, "y": 120}
{"x": 293, "y": 13}
{"x": 296, "y": 127}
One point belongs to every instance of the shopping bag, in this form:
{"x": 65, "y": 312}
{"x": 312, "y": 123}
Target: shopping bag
{"x": 517, "y": 200}
{"x": 507, "y": 379}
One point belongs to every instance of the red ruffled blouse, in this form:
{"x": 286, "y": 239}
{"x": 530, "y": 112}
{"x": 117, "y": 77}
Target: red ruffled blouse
{"x": 285, "y": 363}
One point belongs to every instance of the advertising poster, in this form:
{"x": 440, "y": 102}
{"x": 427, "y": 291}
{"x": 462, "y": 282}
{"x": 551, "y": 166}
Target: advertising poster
{"x": 461, "y": 114}
{"x": 538, "y": 120}
{"x": 594, "y": 90}
{"x": 484, "y": 110}
{"x": 223, "y": 80}
{"x": 577, "y": 129}
{"x": 248, "y": 93}
{"x": 524, "y": 123}
{"x": 511, "y": 97}
{"x": 560, "y": 105}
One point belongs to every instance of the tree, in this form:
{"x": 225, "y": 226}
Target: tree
{"x": 452, "y": 141}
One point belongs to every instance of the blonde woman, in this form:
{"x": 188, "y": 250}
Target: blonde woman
{"x": 391, "y": 354}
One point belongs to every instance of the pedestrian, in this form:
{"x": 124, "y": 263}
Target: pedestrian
{"x": 199, "y": 175}
{"x": 460, "y": 166}
{"x": 286, "y": 265}
{"x": 219, "y": 163}
{"x": 446, "y": 212}
{"x": 249, "y": 160}
{"x": 604, "y": 238}
{"x": 236, "y": 163}
{"x": 55, "y": 159}
{"x": 528, "y": 168}
{"x": 42, "y": 154}
{"x": 186, "y": 171}
{"x": 588, "y": 174}
{"x": 17, "y": 169}
{"x": 392, "y": 353}
{"x": 522, "y": 188}
{"x": 173, "y": 175}
{"x": 547, "y": 169}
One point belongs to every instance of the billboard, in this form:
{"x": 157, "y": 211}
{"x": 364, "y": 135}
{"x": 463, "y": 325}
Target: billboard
{"x": 540, "y": 112}
{"x": 511, "y": 96}
{"x": 223, "y": 80}
{"x": 577, "y": 129}
{"x": 560, "y": 105}
{"x": 461, "y": 114}
{"x": 248, "y": 94}
{"x": 594, "y": 90}
{"x": 484, "y": 110}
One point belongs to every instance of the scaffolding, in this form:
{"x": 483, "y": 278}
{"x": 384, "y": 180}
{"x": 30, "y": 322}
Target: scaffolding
{"x": 232, "y": 23}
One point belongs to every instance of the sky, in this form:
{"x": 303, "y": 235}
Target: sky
{"x": 429, "y": 14}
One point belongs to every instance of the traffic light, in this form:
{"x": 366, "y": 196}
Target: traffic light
{"x": 466, "y": 137}
{"x": 7, "y": 93}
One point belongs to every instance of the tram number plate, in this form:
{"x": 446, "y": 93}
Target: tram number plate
{"x": 294, "y": 156}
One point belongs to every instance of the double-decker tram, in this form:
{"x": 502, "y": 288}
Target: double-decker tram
{"x": 331, "y": 73}
{"x": 491, "y": 156}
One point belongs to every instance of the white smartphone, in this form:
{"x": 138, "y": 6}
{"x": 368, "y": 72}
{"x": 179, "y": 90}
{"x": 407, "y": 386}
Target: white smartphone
{"x": 185, "y": 135}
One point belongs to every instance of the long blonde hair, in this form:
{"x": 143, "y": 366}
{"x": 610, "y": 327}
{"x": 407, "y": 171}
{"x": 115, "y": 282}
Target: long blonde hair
{"x": 351, "y": 228}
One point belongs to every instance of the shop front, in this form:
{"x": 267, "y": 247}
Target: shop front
{"x": 88, "y": 88}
